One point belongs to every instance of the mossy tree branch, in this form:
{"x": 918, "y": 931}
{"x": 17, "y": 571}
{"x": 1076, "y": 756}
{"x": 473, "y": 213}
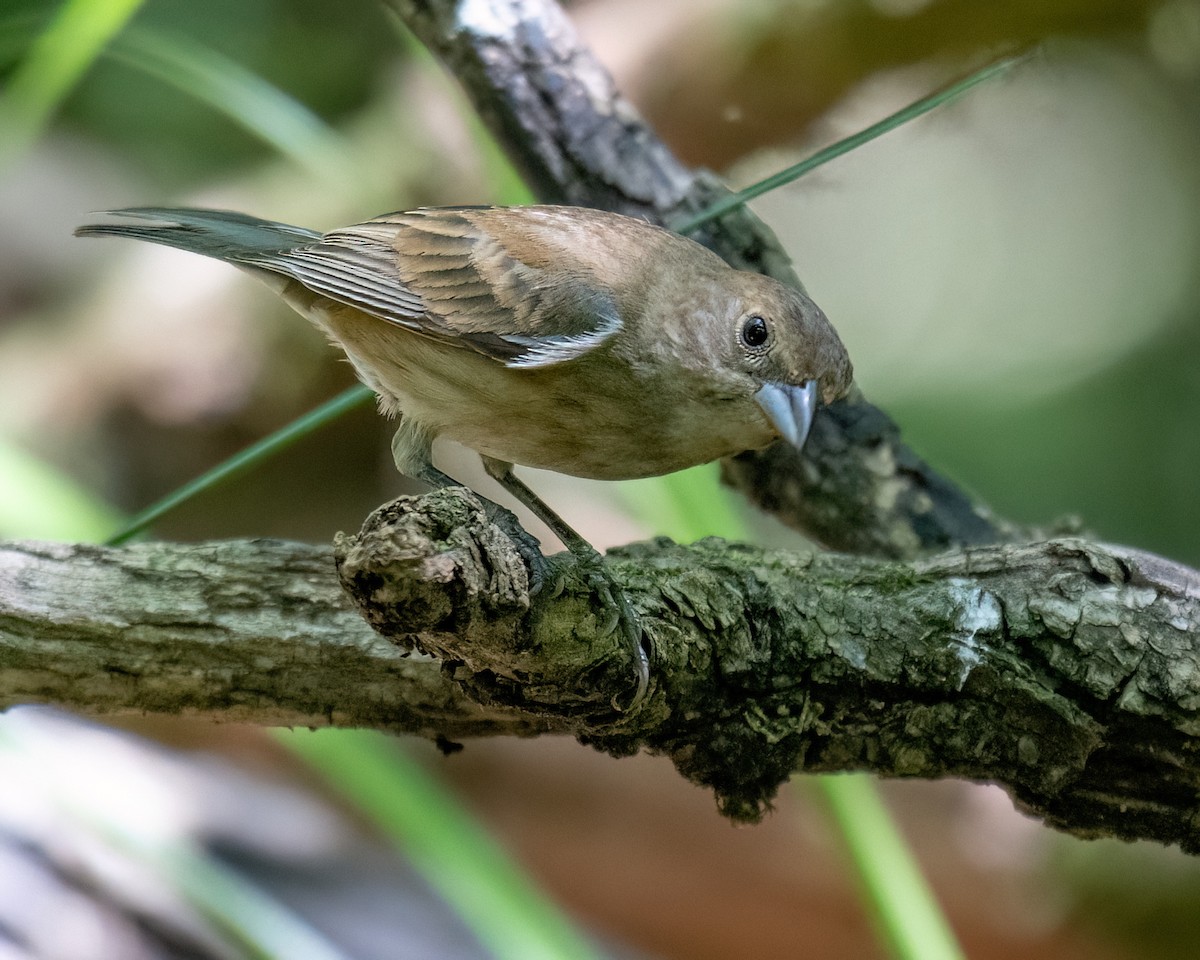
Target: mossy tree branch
{"x": 1065, "y": 671}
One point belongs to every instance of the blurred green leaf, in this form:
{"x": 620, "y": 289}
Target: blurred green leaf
{"x": 904, "y": 910}
{"x": 508, "y": 915}
{"x": 243, "y": 96}
{"x": 258, "y": 921}
{"x": 38, "y": 502}
{"x": 686, "y": 505}
{"x": 59, "y": 56}
{"x": 201, "y": 72}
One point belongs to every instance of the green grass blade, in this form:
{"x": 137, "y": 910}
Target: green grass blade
{"x": 853, "y": 142}
{"x": 904, "y": 910}
{"x": 457, "y": 857}
{"x": 59, "y": 56}
{"x": 242, "y": 95}
{"x": 246, "y": 911}
{"x": 281, "y": 439}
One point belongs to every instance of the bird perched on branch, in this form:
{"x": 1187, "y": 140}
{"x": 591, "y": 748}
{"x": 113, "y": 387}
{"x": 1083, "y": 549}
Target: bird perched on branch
{"x": 564, "y": 338}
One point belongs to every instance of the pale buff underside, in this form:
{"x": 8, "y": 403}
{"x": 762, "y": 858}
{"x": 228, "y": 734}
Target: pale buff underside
{"x": 585, "y": 418}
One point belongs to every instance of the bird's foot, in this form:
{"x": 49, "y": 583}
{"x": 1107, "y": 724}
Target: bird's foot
{"x": 618, "y": 611}
{"x": 526, "y": 543}
{"x": 620, "y": 616}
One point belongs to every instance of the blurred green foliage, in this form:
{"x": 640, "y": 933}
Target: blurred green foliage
{"x": 329, "y": 57}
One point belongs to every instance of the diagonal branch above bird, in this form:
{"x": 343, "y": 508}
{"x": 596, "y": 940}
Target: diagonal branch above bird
{"x": 565, "y": 338}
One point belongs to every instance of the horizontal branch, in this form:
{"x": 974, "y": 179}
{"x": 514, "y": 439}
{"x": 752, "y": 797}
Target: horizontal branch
{"x": 1066, "y": 671}
{"x": 255, "y": 631}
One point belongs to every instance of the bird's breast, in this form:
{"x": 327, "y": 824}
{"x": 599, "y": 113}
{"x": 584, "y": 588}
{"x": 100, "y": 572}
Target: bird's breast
{"x": 598, "y": 416}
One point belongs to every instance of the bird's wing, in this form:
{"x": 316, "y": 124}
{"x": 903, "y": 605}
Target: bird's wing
{"x": 501, "y": 282}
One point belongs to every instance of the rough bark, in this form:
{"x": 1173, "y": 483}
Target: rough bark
{"x": 1065, "y": 671}
{"x": 257, "y": 631}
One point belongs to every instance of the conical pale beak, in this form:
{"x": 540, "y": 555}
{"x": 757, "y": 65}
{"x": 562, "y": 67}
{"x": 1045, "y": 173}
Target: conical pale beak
{"x": 790, "y": 408}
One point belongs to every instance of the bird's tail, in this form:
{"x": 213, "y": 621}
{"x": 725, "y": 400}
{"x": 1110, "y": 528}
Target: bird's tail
{"x": 233, "y": 237}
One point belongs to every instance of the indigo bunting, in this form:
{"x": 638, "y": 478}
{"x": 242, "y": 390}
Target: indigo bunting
{"x": 571, "y": 339}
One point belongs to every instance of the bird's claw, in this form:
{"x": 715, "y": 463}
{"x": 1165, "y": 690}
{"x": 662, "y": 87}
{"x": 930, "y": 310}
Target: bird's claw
{"x": 619, "y": 613}
{"x": 526, "y": 543}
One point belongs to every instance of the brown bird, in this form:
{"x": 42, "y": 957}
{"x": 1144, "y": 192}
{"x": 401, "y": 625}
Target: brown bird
{"x": 565, "y": 338}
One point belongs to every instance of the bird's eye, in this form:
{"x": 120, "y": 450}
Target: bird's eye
{"x": 755, "y": 332}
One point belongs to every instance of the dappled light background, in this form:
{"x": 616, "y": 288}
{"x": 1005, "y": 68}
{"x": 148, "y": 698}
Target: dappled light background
{"x": 1017, "y": 277}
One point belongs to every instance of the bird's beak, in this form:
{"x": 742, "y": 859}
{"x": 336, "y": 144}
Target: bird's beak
{"x": 790, "y": 408}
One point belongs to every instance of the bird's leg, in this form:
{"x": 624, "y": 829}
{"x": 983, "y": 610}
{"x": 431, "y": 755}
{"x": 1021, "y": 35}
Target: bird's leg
{"x": 590, "y": 560}
{"x": 412, "y": 448}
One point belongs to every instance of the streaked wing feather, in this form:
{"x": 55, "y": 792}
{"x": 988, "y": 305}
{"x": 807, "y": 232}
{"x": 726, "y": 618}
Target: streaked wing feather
{"x": 361, "y": 275}
{"x": 462, "y": 263}
{"x": 439, "y": 273}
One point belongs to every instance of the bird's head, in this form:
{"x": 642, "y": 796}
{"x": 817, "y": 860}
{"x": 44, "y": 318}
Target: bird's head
{"x": 783, "y": 349}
